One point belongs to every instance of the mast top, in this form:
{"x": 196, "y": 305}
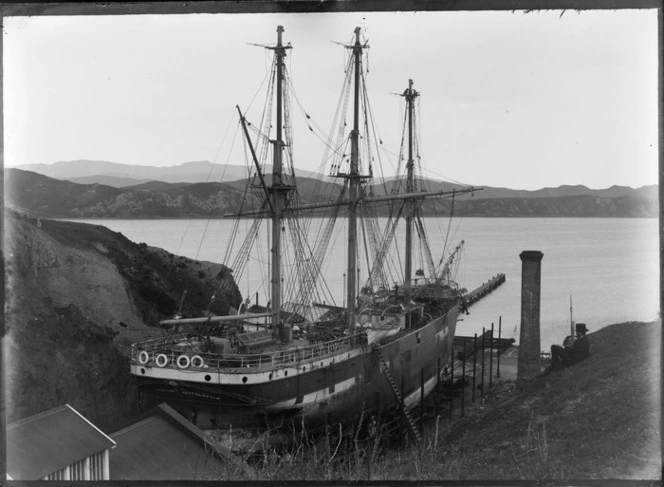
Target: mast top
{"x": 357, "y": 45}
{"x": 280, "y": 30}
{"x": 409, "y": 92}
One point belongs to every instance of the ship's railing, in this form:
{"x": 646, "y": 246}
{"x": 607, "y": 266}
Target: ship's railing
{"x": 205, "y": 360}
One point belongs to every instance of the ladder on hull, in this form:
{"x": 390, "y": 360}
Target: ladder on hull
{"x": 408, "y": 418}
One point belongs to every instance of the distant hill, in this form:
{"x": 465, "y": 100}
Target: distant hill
{"x": 121, "y": 175}
{"x": 51, "y": 197}
{"x": 115, "y": 181}
{"x": 489, "y": 192}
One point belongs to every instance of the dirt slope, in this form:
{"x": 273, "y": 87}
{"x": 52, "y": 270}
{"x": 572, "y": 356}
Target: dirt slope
{"x": 78, "y": 296}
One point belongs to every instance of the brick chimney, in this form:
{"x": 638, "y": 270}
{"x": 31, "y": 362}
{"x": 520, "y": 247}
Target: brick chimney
{"x": 529, "y": 365}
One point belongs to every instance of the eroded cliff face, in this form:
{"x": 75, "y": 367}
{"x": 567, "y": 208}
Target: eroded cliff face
{"x": 78, "y": 295}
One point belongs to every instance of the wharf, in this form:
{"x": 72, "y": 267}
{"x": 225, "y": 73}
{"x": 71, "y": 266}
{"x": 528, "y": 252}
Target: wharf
{"x": 468, "y": 345}
{"x": 477, "y": 294}
{"x": 478, "y": 362}
{"x": 466, "y": 384}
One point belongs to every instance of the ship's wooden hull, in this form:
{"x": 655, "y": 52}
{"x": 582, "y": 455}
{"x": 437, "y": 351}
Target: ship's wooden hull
{"x": 335, "y": 390}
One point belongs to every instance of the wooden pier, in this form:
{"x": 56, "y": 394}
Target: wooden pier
{"x": 477, "y": 363}
{"x": 466, "y": 344}
{"x": 474, "y": 363}
{"x": 484, "y": 289}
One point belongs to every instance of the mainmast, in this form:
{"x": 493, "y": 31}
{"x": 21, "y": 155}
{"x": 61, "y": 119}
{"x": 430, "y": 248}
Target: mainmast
{"x": 410, "y": 95}
{"x": 277, "y": 191}
{"x": 353, "y": 186}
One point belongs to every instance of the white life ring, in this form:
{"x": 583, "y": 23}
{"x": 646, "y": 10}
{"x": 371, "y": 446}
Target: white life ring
{"x": 162, "y": 360}
{"x": 143, "y": 357}
{"x": 197, "y": 361}
{"x": 183, "y": 361}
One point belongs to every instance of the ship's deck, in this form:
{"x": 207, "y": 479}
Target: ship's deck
{"x": 167, "y": 351}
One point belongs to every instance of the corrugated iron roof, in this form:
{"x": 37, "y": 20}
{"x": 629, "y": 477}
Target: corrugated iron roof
{"x": 49, "y": 441}
{"x": 163, "y": 446}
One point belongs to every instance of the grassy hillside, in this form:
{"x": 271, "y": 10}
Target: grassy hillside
{"x": 52, "y": 197}
{"x": 599, "y": 419}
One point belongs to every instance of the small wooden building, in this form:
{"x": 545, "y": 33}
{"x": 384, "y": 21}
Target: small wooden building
{"x": 59, "y": 444}
{"x": 164, "y": 445}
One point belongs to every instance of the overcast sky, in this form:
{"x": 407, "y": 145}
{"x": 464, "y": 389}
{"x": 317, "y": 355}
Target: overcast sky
{"x": 507, "y": 99}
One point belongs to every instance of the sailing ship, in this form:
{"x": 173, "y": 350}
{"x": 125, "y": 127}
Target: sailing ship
{"x": 303, "y": 359}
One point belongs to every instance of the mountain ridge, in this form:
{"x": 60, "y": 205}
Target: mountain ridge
{"x": 57, "y": 198}
{"x": 117, "y": 174}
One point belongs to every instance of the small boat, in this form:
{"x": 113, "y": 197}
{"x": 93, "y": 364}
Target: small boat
{"x": 303, "y": 359}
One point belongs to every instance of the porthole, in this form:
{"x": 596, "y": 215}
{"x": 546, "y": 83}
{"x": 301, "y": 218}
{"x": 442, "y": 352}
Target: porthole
{"x": 304, "y": 369}
{"x": 269, "y": 376}
{"x": 142, "y": 371}
{"x": 208, "y": 378}
{"x": 285, "y": 372}
{"x": 244, "y": 379}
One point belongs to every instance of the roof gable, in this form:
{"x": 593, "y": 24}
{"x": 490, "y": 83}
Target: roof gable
{"x": 49, "y": 441}
{"x": 163, "y": 446}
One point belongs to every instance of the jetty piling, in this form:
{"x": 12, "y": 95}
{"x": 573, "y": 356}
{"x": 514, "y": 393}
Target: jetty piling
{"x": 483, "y": 362}
{"x": 500, "y": 325}
{"x": 446, "y": 389}
{"x": 467, "y": 382}
{"x": 474, "y": 364}
{"x": 435, "y": 396}
{"x": 463, "y": 384}
{"x": 451, "y": 386}
{"x": 491, "y": 356}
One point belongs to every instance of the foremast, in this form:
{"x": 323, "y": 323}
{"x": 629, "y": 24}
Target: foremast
{"x": 353, "y": 187}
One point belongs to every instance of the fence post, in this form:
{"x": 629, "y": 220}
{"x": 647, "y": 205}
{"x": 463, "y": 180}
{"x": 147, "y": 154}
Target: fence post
{"x": 474, "y": 364}
{"x": 463, "y": 382}
{"x": 482, "y": 383}
{"x": 451, "y": 384}
{"x": 491, "y": 357}
{"x": 437, "y": 391}
{"x": 422, "y": 394}
{"x": 500, "y": 326}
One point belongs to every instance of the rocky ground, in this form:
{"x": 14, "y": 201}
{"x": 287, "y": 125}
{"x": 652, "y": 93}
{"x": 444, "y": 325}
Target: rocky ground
{"x": 78, "y": 296}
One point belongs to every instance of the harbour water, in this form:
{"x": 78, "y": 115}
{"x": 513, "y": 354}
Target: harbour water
{"x": 610, "y": 267}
